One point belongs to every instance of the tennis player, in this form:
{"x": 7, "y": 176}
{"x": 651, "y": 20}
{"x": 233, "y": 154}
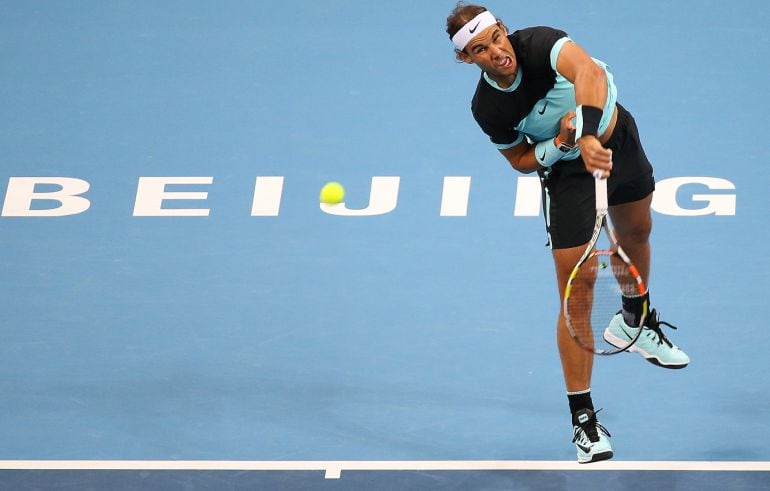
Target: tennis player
{"x": 552, "y": 109}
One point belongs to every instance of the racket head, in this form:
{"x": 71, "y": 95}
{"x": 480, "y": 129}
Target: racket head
{"x": 593, "y": 296}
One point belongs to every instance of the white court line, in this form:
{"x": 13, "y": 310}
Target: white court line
{"x": 333, "y": 468}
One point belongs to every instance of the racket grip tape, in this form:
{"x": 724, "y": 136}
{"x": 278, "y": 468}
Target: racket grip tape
{"x": 601, "y": 193}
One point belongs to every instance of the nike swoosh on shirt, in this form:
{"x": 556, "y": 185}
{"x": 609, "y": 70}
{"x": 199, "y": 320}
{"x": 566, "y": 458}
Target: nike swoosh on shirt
{"x": 474, "y": 27}
{"x": 541, "y": 112}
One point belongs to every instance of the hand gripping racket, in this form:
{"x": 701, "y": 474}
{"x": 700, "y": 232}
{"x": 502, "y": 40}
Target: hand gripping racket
{"x": 595, "y": 288}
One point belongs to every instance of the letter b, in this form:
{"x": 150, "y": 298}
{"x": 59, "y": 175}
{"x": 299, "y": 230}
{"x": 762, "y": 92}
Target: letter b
{"x": 21, "y": 194}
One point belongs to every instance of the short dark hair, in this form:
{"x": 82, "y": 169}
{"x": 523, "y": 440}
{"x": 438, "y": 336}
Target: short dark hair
{"x": 461, "y": 15}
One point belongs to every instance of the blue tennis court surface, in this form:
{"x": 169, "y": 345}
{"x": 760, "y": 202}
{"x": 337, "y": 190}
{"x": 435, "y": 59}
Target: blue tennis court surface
{"x": 173, "y": 292}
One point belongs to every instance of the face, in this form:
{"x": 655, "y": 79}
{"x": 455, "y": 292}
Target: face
{"x": 492, "y": 52}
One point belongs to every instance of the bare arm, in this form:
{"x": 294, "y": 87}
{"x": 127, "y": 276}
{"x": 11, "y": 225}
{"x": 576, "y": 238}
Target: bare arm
{"x": 589, "y": 78}
{"x": 590, "y": 90}
{"x": 522, "y": 156}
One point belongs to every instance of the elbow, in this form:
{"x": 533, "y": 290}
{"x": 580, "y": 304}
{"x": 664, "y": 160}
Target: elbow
{"x": 514, "y": 161}
{"x": 594, "y": 75}
{"x": 519, "y": 160}
{"x": 520, "y": 166}
{"x": 523, "y": 170}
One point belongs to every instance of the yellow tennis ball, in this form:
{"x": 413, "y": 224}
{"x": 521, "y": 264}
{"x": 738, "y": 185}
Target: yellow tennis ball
{"x": 332, "y": 193}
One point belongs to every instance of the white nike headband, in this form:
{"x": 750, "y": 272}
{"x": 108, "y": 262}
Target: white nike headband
{"x": 472, "y": 29}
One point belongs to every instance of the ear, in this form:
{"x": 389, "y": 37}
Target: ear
{"x": 463, "y": 57}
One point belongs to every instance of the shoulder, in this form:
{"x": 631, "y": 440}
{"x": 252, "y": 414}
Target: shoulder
{"x": 497, "y": 113}
{"x": 537, "y": 34}
{"x": 535, "y": 41}
{"x": 487, "y": 106}
{"x": 483, "y": 98}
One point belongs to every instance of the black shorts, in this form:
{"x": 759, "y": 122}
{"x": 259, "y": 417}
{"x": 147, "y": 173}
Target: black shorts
{"x": 569, "y": 204}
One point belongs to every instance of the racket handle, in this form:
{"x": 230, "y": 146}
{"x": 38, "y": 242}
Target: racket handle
{"x": 601, "y": 193}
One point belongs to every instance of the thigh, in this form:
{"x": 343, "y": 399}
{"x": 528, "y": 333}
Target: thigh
{"x": 569, "y": 205}
{"x": 633, "y": 220}
{"x": 632, "y": 174}
{"x": 631, "y": 191}
{"x": 564, "y": 261}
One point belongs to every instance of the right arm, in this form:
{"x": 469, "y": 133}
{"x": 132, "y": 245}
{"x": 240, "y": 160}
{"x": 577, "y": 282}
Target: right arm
{"x": 522, "y": 156}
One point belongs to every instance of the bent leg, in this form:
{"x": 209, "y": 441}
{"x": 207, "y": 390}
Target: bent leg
{"x": 632, "y": 223}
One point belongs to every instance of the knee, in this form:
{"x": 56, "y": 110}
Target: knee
{"x": 636, "y": 233}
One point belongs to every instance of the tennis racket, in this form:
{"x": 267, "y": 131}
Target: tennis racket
{"x": 595, "y": 288}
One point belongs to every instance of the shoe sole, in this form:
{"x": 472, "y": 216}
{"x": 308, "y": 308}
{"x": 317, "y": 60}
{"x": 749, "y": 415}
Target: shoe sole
{"x": 597, "y": 457}
{"x": 617, "y": 342}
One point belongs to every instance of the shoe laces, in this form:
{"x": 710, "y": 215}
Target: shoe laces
{"x": 653, "y": 323}
{"x": 590, "y": 428}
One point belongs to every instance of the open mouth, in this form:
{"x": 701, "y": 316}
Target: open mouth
{"x": 505, "y": 62}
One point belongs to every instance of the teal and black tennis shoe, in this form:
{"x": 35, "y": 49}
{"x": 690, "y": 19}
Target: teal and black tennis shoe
{"x": 590, "y": 437}
{"x": 652, "y": 344}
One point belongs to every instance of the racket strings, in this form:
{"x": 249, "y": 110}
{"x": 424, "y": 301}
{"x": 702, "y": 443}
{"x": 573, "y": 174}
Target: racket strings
{"x": 596, "y": 297}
